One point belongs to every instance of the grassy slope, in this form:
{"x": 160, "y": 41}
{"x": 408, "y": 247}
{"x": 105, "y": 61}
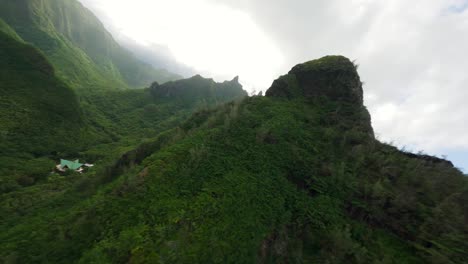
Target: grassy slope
{"x": 75, "y": 41}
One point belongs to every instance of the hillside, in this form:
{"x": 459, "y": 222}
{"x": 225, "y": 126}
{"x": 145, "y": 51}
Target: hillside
{"x": 84, "y": 54}
{"x": 293, "y": 177}
{"x": 42, "y": 120}
{"x": 129, "y": 117}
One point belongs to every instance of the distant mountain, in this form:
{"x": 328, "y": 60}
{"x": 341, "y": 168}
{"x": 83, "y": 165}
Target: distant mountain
{"x": 296, "y": 176}
{"x": 143, "y": 113}
{"x": 197, "y": 87}
{"x": 75, "y": 41}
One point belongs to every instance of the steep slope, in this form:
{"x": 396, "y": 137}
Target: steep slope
{"x": 75, "y": 41}
{"x": 6, "y": 29}
{"x": 39, "y": 113}
{"x": 296, "y": 176}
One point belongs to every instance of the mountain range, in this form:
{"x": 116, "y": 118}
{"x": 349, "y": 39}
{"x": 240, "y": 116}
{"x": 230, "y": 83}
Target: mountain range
{"x": 195, "y": 171}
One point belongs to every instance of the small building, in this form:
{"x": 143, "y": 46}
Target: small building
{"x": 72, "y": 165}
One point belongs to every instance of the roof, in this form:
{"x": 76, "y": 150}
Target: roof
{"x": 72, "y": 165}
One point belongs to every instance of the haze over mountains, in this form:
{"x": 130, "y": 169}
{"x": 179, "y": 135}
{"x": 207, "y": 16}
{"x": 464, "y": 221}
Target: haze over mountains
{"x": 71, "y": 35}
{"x": 195, "y": 171}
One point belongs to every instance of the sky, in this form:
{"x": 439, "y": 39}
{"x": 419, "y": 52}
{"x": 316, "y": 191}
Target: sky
{"x": 412, "y": 54}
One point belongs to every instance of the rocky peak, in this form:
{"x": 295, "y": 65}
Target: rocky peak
{"x": 334, "y": 77}
{"x": 154, "y": 85}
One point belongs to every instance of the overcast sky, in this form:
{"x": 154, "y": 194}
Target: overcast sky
{"x": 413, "y": 54}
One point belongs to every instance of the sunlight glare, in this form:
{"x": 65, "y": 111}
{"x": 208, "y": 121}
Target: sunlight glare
{"x": 215, "y": 40}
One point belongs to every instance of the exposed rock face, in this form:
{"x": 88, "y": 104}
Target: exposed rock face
{"x": 331, "y": 77}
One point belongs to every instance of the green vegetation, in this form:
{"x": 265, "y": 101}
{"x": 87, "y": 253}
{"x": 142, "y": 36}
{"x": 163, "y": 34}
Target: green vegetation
{"x": 6, "y": 29}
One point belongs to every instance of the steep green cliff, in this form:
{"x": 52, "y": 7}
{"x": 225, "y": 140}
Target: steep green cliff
{"x": 84, "y": 54}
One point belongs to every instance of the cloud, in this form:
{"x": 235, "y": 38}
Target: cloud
{"x": 458, "y": 6}
{"x": 215, "y": 40}
{"x": 412, "y": 55}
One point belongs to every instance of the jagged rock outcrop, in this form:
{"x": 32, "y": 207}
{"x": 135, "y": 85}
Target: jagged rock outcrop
{"x": 430, "y": 159}
{"x": 198, "y": 87}
{"x": 332, "y": 77}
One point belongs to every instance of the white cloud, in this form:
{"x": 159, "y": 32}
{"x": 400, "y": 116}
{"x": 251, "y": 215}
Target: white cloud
{"x": 412, "y": 54}
{"x": 215, "y": 40}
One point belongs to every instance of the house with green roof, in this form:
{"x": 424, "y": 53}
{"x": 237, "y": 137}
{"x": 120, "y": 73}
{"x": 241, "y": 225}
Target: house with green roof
{"x": 70, "y": 165}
